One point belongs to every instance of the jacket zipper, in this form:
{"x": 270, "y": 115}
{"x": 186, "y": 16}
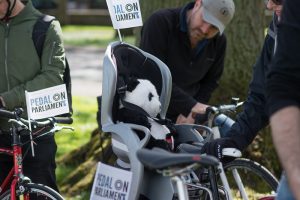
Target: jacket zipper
{"x": 6, "y": 55}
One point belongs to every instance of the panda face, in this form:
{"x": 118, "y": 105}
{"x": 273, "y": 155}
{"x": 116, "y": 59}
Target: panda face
{"x": 145, "y": 96}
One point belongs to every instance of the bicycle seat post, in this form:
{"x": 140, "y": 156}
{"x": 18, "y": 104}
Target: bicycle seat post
{"x": 181, "y": 188}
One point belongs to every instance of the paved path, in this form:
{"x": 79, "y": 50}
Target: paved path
{"x": 86, "y": 70}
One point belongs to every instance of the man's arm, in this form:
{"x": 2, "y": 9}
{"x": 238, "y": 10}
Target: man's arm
{"x": 53, "y": 66}
{"x": 286, "y": 136}
{"x": 249, "y": 122}
{"x": 283, "y": 86}
{"x": 254, "y": 116}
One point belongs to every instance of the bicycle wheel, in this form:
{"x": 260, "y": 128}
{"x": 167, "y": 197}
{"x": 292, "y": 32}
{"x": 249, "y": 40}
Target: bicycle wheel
{"x": 249, "y": 178}
{"x": 32, "y": 191}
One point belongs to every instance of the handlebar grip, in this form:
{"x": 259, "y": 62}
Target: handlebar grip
{"x": 200, "y": 118}
{"x": 63, "y": 120}
{"x": 7, "y": 114}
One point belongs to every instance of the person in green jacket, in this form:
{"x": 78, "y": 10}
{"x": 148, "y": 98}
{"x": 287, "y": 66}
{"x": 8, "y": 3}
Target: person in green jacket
{"x": 21, "y": 69}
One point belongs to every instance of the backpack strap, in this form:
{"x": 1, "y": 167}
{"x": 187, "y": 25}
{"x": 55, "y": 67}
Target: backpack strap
{"x": 39, "y": 32}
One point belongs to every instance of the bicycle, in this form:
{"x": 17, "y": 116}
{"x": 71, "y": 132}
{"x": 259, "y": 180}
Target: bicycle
{"x": 16, "y": 185}
{"x": 179, "y": 171}
{"x": 245, "y": 173}
{"x": 246, "y": 177}
{"x": 125, "y": 140}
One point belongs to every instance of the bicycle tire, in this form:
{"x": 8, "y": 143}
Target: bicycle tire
{"x": 36, "y": 192}
{"x": 258, "y": 180}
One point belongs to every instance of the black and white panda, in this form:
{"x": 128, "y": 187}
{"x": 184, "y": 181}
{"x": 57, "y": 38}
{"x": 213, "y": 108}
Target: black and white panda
{"x": 143, "y": 95}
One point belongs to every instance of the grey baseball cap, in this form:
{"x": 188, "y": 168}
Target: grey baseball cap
{"x": 218, "y": 12}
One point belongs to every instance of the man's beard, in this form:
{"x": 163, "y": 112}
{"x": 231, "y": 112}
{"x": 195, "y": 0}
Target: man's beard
{"x": 196, "y": 35}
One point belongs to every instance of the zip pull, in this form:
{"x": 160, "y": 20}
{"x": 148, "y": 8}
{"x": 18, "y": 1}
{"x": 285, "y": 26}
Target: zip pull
{"x": 6, "y": 30}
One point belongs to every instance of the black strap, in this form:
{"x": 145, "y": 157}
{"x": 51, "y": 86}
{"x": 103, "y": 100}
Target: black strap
{"x": 169, "y": 124}
{"x": 39, "y": 32}
{"x": 134, "y": 107}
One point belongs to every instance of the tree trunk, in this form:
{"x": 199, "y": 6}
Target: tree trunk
{"x": 245, "y": 37}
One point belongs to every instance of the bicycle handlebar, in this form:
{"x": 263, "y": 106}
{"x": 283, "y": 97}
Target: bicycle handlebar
{"x": 11, "y": 114}
{"x": 212, "y": 111}
{"x": 63, "y": 120}
{"x": 223, "y": 108}
{"x": 48, "y": 122}
{"x": 15, "y": 116}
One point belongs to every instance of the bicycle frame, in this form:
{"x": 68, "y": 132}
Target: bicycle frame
{"x": 16, "y": 173}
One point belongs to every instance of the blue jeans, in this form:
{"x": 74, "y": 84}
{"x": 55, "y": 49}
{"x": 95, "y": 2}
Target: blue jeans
{"x": 283, "y": 190}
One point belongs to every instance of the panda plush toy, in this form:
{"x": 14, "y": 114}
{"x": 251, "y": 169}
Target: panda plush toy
{"x": 140, "y": 105}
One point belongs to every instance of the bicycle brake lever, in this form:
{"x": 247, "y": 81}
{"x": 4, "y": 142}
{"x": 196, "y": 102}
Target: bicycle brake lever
{"x": 59, "y": 128}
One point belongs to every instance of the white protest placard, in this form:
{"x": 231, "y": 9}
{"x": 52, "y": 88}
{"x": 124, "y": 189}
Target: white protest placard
{"x": 125, "y": 13}
{"x": 47, "y": 102}
{"x": 111, "y": 183}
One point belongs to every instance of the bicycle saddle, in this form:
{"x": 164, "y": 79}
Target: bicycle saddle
{"x": 159, "y": 158}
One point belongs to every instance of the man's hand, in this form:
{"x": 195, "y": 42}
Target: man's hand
{"x": 199, "y": 108}
{"x": 185, "y": 120}
{"x": 216, "y": 147}
{"x": 286, "y": 137}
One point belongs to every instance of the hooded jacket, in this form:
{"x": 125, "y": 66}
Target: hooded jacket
{"x": 20, "y": 67}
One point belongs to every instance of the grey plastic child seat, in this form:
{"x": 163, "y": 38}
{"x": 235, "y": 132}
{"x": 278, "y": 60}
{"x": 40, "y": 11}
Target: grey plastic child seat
{"x": 123, "y": 58}
{"x": 125, "y": 142}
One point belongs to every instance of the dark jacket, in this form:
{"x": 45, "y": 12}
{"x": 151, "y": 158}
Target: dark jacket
{"x": 255, "y": 114}
{"x": 195, "y": 72}
{"x": 283, "y": 83}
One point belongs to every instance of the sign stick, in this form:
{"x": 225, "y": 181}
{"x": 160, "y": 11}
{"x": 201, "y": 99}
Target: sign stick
{"x": 119, "y": 33}
{"x": 29, "y": 124}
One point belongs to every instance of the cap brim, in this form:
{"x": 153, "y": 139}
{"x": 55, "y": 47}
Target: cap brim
{"x": 213, "y": 20}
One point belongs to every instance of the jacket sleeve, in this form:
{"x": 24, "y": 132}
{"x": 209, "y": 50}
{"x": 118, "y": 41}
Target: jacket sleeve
{"x": 254, "y": 116}
{"x": 180, "y": 101}
{"x": 211, "y": 79}
{"x": 154, "y": 40}
{"x": 52, "y": 68}
{"x": 283, "y": 80}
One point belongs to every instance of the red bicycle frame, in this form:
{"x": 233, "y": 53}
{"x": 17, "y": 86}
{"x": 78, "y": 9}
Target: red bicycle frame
{"x": 16, "y": 173}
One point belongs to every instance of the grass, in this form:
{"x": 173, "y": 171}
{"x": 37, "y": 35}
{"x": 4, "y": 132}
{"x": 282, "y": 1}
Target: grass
{"x": 84, "y": 116}
{"x": 99, "y": 36}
